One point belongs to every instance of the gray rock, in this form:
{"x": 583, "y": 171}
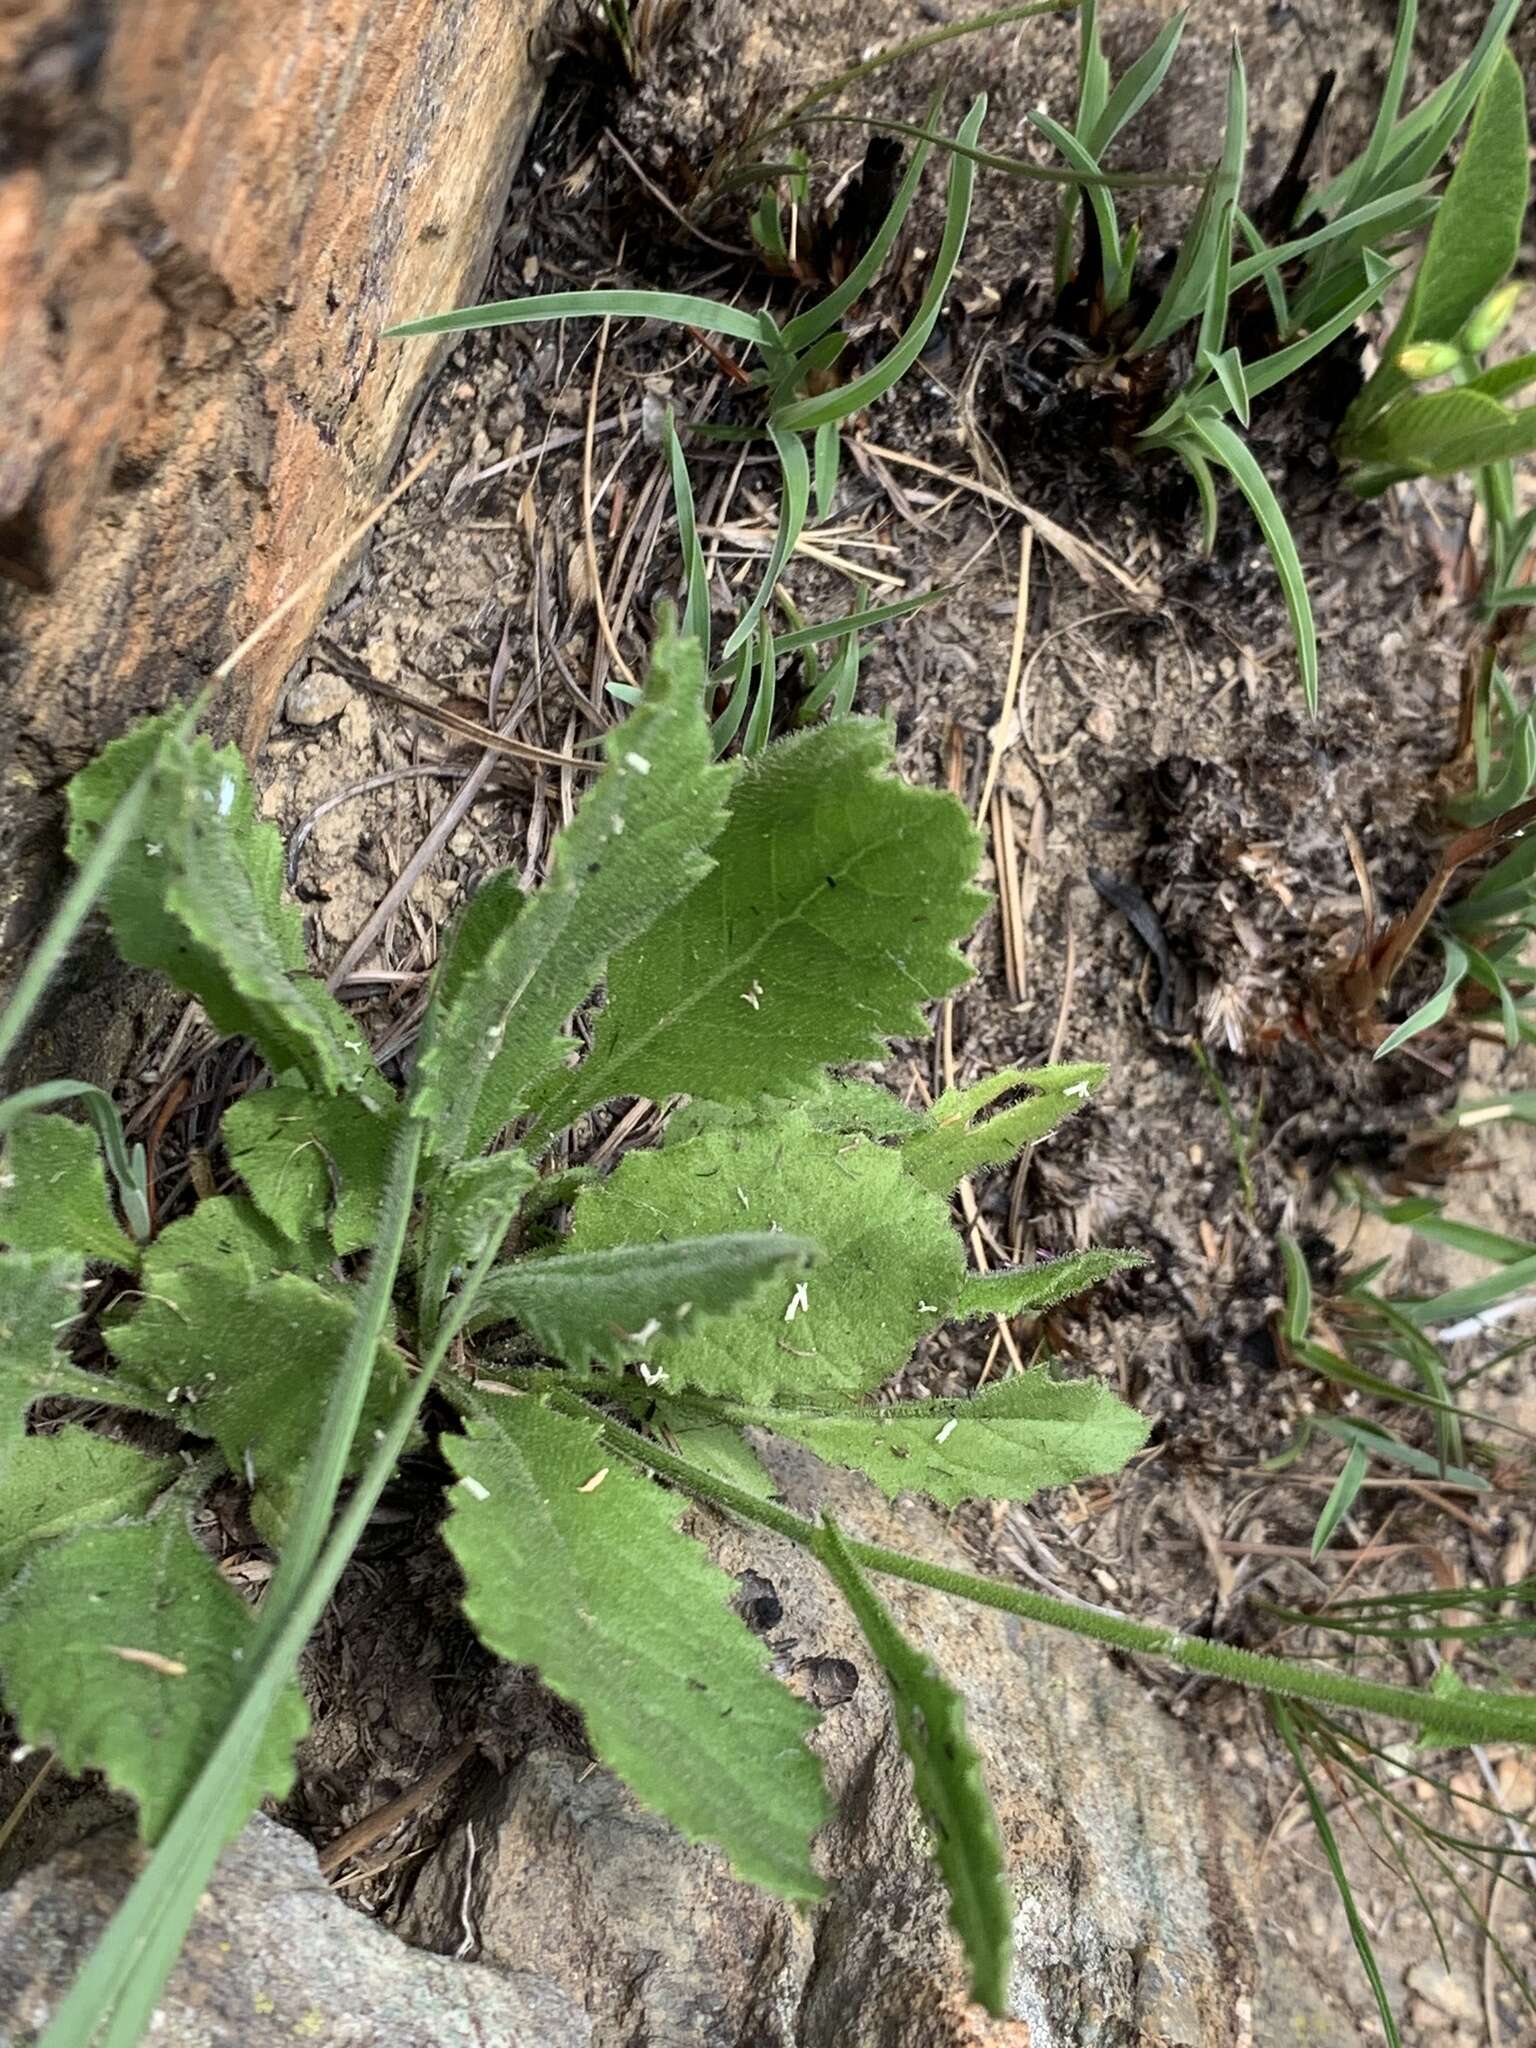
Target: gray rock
{"x": 1136, "y": 1921}
{"x": 317, "y": 698}
{"x": 273, "y": 1957}
{"x": 1448, "y": 1994}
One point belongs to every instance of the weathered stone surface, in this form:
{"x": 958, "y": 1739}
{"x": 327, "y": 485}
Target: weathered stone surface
{"x": 1135, "y": 1919}
{"x": 274, "y": 1957}
{"x": 317, "y": 698}
{"x": 208, "y": 211}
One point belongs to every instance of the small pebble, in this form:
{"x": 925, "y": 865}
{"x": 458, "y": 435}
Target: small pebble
{"x": 317, "y": 698}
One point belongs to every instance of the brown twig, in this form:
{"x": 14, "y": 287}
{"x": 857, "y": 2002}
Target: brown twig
{"x": 589, "y": 541}
{"x": 471, "y": 729}
{"x": 373, "y": 1827}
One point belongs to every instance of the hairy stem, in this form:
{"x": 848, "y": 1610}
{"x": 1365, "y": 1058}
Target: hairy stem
{"x": 1487, "y": 1717}
{"x": 328, "y": 1466}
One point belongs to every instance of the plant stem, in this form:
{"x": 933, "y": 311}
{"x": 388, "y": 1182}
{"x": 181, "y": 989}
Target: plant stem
{"x": 327, "y": 1466}
{"x": 1023, "y": 166}
{"x": 1487, "y": 1717}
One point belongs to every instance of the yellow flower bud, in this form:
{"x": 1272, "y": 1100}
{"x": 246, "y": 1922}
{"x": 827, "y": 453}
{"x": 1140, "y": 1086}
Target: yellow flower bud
{"x": 1428, "y": 359}
{"x": 1490, "y": 319}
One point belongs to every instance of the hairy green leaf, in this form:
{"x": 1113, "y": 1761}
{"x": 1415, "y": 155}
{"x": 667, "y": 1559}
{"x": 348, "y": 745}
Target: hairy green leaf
{"x": 953, "y": 1142}
{"x": 617, "y": 1303}
{"x": 517, "y": 968}
{"x": 946, "y": 1779}
{"x": 122, "y": 1651}
{"x": 574, "y": 1564}
{"x": 1004, "y": 1443}
{"x": 718, "y": 1448}
{"x": 1440, "y": 432}
{"x": 831, "y": 1104}
{"x": 831, "y": 914}
{"x": 306, "y": 1157}
{"x": 889, "y": 1264}
{"x": 53, "y": 1193}
{"x": 126, "y": 1161}
{"x": 471, "y": 1200}
{"x": 245, "y": 1357}
{"x": 1473, "y": 243}
{"x": 1028, "y": 1290}
{"x": 39, "y": 1299}
{"x": 70, "y": 1479}
{"x": 198, "y": 897}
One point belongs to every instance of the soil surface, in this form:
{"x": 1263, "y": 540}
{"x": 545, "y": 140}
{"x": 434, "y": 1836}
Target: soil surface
{"x": 1174, "y": 842}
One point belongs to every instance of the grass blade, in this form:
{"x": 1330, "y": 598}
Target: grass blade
{"x": 1213, "y": 315}
{"x": 1346, "y": 1490}
{"x": 1098, "y": 198}
{"x": 1359, "y": 176}
{"x": 809, "y": 413}
{"x": 793, "y": 508}
{"x": 1298, "y": 1291}
{"x": 760, "y": 724}
{"x": 696, "y": 619}
{"x": 1219, "y": 441}
{"x": 1475, "y": 1298}
{"x": 828, "y": 449}
{"x": 820, "y": 319}
{"x": 682, "y": 309}
{"x": 1138, "y": 85}
{"x": 1230, "y": 373}
{"x": 1274, "y": 284}
{"x": 1413, "y": 202}
{"x": 876, "y": 615}
{"x": 1285, "y": 362}
{"x": 1188, "y": 288}
{"x": 1380, "y": 1443}
{"x": 1287, "y": 1726}
{"x": 1438, "y": 1005}
{"x": 728, "y": 724}
{"x": 913, "y": 46}
{"x": 1023, "y": 166}
{"x": 837, "y": 684}
{"x": 1428, "y": 139}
